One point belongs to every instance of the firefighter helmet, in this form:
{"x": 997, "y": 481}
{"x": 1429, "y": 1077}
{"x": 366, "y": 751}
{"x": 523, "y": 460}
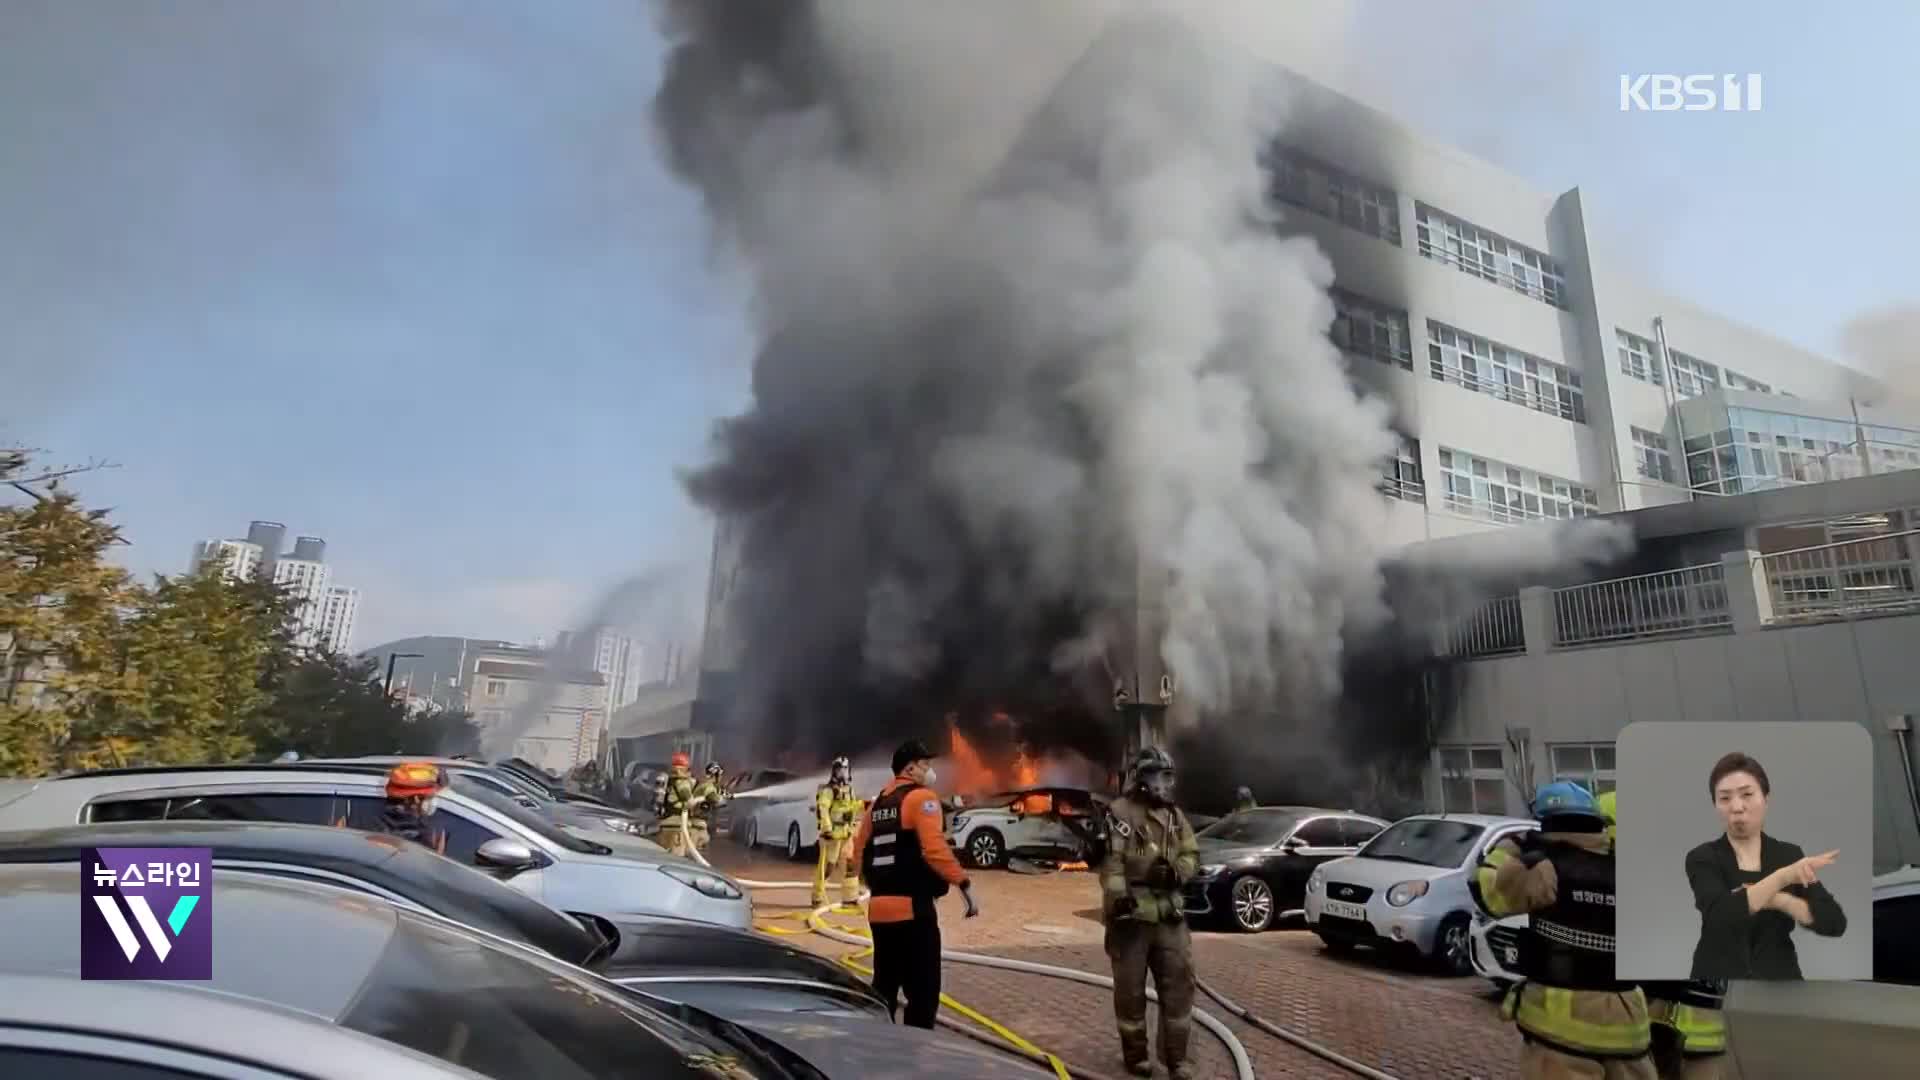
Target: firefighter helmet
{"x": 1564, "y": 806}
{"x": 681, "y": 761}
{"x": 1153, "y": 775}
{"x": 714, "y": 770}
{"x": 841, "y": 771}
{"x": 414, "y": 779}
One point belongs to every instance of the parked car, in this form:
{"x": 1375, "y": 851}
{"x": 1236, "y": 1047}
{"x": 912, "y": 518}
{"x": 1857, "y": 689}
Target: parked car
{"x": 566, "y": 869}
{"x": 555, "y": 787}
{"x": 58, "y": 1026}
{"x": 1407, "y": 889}
{"x": 497, "y": 1008}
{"x": 786, "y": 815}
{"x": 1033, "y": 823}
{"x": 716, "y": 967}
{"x": 577, "y": 814}
{"x": 1254, "y": 864}
{"x": 747, "y": 792}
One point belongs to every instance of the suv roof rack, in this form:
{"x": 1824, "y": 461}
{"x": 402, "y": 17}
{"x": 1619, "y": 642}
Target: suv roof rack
{"x": 289, "y": 766}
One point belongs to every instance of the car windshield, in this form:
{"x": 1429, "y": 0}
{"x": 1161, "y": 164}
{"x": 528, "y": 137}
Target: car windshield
{"x": 531, "y": 820}
{"x": 1253, "y": 826}
{"x": 436, "y": 990}
{"x": 1427, "y": 841}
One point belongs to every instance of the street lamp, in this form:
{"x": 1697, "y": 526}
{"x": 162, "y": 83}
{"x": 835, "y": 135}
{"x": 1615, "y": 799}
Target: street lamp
{"x": 387, "y": 690}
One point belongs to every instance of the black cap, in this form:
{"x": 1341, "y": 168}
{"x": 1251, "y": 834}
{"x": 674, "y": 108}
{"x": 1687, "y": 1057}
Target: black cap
{"x": 910, "y": 751}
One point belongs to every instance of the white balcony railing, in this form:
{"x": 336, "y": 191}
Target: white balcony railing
{"x": 1494, "y": 629}
{"x": 1686, "y": 601}
{"x": 1492, "y": 385}
{"x": 1852, "y": 577}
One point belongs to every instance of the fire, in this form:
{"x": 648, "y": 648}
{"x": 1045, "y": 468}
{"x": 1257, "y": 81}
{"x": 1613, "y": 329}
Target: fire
{"x": 973, "y": 774}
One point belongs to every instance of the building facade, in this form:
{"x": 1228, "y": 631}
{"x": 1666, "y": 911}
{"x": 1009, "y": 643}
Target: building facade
{"x": 1532, "y": 376}
{"x": 613, "y": 654}
{"x": 337, "y": 614}
{"x": 527, "y": 703}
{"x": 243, "y": 559}
{"x": 324, "y": 613}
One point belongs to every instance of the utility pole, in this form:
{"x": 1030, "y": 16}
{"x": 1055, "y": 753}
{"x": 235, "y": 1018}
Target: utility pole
{"x": 387, "y": 690}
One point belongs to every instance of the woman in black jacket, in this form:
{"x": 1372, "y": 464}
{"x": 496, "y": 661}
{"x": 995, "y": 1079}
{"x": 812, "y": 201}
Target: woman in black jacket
{"x": 1751, "y": 889}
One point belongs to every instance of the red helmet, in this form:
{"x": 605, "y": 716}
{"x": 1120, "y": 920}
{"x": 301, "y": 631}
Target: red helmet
{"x": 682, "y": 761}
{"x": 415, "y": 778}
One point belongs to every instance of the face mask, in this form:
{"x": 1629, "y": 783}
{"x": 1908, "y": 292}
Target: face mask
{"x": 927, "y": 777}
{"x": 427, "y": 807}
{"x": 1160, "y": 787}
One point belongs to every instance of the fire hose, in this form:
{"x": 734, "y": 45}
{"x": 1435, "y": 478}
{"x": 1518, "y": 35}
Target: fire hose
{"x": 1242, "y": 1065}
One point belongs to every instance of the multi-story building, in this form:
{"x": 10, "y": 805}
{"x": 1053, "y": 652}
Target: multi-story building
{"x": 1532, "y": 375}
{"x": 528, "y": 705}
{"x": 242, "y": 558}
{"x": 609, "y": 652}
{"x": 324, "y": 613}
{"x": 337, "y": 613}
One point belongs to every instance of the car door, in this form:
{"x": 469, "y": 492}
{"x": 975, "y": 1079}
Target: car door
{"x": 1313, "y": 841}
{"x": 465, "y": 833}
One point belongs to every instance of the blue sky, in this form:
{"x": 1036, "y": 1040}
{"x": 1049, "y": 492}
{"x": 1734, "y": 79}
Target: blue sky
{"x": 407, "y": 274}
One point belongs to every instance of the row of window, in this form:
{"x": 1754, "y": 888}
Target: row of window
{"x": 1473, "y": 779}
{"x": 1490, "y": 368}
{"x": 1495, "y": 491}
{"x": 1761, "y": 449}
{"x": 1692, "y": 376}
{"x": 1300, "y": 180}
{"x": 1652, "y": 455}
{"x": 1369, "y": 328}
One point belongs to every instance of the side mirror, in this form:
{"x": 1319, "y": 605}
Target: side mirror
{"x": 1292, "y": 844}
{"x": 509, "y": 855}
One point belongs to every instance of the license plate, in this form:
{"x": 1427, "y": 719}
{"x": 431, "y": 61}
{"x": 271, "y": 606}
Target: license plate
{"x": 1342, "y": 910}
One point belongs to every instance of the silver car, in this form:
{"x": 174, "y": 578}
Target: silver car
{"x": 1407, "y": 888}
{"x": 589, "y": 816}
{"x": 564, "y": 869}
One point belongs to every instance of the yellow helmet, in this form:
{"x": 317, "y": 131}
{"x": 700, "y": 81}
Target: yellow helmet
{"x": 1606, "y": 802}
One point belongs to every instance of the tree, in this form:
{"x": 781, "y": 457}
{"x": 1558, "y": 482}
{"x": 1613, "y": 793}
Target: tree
{"x": 334, "y": 706}
{"x": 195, "y": 654}
{"x": 60, "y": 603}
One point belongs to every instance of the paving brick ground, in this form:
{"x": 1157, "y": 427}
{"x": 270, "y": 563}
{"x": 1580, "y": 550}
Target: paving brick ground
{"x": 1412, "y": 1025}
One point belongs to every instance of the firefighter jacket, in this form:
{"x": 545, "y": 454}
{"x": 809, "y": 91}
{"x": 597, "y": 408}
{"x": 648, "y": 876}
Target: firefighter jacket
{"x": 837, "y": 811}
{"x": 678, "y": 797}
{"x": 1139, "y": 837}
{"x": 1563, "y": 882}
{"x": 706, "y": 797}
{"x": 902, "y": 853}
{"x": 1692, "y": 1010}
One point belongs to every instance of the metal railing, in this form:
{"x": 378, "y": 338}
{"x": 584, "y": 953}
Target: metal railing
{"x": 1494, "y": 629}
{"x": 1690, "y": 600}
{"x": 1851, "y": 577}
{"x": 1496, "y": 387}
{"x": 1549, "y": 289}
{"x": 1411, "y": 491}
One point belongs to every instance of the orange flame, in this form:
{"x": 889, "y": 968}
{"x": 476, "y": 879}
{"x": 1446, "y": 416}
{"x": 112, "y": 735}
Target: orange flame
{"x": 970, "y": 774}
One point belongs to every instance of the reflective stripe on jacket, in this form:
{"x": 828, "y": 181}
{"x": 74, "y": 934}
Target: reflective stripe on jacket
{"x": 1702, "y": 1031}
{"x": 1591, "y": 1023}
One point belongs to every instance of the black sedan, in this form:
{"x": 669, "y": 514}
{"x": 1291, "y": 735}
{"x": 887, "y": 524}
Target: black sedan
{"x": 711, "y": 966}
{"x": 1254, "y": 863}
{"x": 497, "y": 1008}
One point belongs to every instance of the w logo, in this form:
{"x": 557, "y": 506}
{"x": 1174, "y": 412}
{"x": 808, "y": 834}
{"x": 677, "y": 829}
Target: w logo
{"x": 146, "y": 913}
{"x": 150, "y": 926}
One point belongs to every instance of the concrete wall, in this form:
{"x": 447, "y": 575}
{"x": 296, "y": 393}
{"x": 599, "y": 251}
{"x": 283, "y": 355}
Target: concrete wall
{"x": 1854, "y": 672}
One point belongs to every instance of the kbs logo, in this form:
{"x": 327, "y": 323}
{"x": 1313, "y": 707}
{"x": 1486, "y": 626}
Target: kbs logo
{"x": 1690, "y": 93}
{"x": 146, "y": 913}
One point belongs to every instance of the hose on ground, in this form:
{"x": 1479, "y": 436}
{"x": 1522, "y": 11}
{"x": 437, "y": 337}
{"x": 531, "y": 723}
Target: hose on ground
{"x": 987, "y": 1039}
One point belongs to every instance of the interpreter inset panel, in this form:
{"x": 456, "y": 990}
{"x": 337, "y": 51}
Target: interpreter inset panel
{"x": 1744, "y": 851}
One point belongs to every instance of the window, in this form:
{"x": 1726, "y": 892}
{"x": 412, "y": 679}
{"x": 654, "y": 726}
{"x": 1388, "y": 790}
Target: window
{"x": 1692, "y": 376}
{"x": 1638, "y": 357}
{"x": 1371, "y": 329}
{"x": 496, "y": 687}
{"x": 30, "y": 1061}
{"x": 1741, "y": 382}
{"x": 1473, "y": 780}
{"x": 463, "y": 836}
{"x": 1896, "y": 940}
{"x": 1320, "y": 832}
{"x": 289, "y": 808}
{"x": 1300, "y": 180}
{"x": 1472, "y": 250}
{"x": 1495, "y": 491}
{"x": 1588, "y": 764}
{"x": 1355, "y": 831}
{"x": 127, "y": 810}
{"x": 1401, "y": 478}
{"x": 1483, "y": 366}
{"x": 1650, "y": 452}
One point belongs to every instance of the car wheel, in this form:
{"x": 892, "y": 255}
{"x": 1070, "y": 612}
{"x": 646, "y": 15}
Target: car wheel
{"x": 986, "y": 850}
{"x": 753, "y": 833}
{"x": 1453, "y": 946}
{"x": 793, "y": 842}
{"x": 1252, "y": 904}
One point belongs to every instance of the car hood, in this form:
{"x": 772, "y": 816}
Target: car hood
{"x": 639, "y": 848}
{"x": 684, "y": 947}
{"x": 1221, "y": 851}
{"x": 1381, "y": 873}
{"x": 875, "y": 1050}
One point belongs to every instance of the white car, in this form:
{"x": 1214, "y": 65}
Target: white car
{"x": 784, "y": 816}
{"x": 1030, "y": 823}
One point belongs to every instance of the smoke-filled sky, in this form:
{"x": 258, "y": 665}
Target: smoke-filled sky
{"x": 413, "y": 277}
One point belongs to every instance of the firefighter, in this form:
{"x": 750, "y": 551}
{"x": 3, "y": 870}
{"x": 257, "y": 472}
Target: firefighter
{"x": 1689, "y": 1031}
{"x": 1151, "y": 852}
{"x": 674, "y": 806}
{"x": 1575, "y": 1019}
{"x": 708, "y": 795}
{"x": 837, "y": 809}
{"x": 902, "y": 853}
{"x": 1243, "y": 799}
{"x": 411, "y": 790}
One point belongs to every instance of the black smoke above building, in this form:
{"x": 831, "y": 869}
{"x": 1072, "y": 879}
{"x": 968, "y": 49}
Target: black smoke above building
{"x": 1039, "y": 376}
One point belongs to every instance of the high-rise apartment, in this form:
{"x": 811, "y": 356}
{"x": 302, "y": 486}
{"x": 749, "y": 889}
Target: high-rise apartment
{"x": 242, "y": 558}
{"x": 337, "y": 613}
{"x": 324, "y": 613}
{"x": 609, "y": 652}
